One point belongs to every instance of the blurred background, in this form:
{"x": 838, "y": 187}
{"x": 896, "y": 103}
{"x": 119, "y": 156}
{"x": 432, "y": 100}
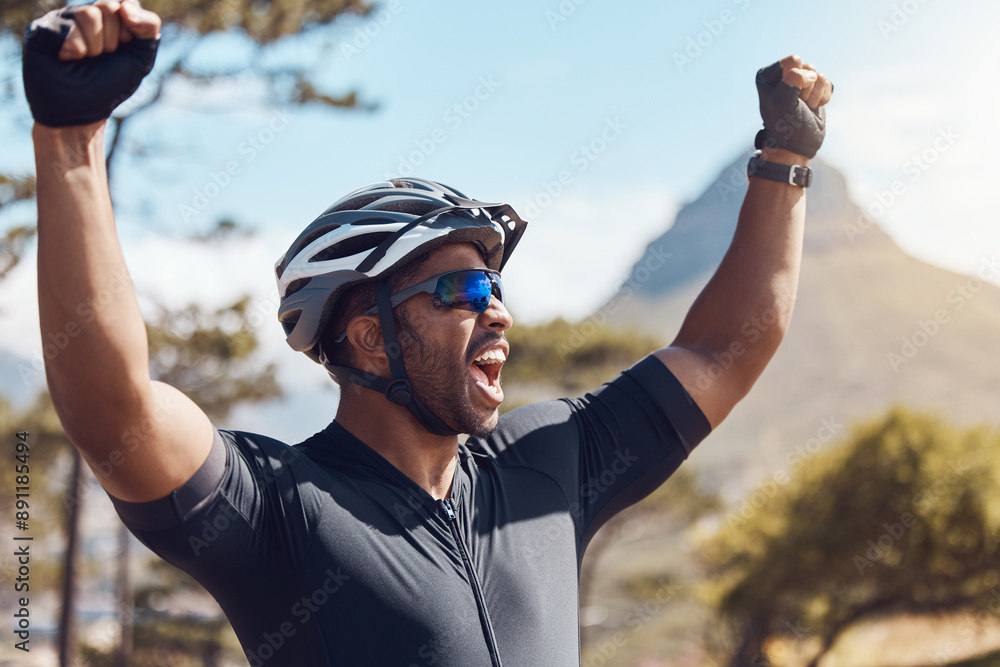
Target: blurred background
{"x": 847, "y": 511}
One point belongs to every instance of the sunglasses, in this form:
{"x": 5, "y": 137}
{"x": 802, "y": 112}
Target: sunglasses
{"x": 465, "y": 289}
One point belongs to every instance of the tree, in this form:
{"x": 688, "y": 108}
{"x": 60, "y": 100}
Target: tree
{"x": 14, "y": 189}
{"x": 209, "y": 355}
{"x": 668, "y": 513}
{"x": 572, "y": 357}
{"x": 902, "y": 517}
{"x": 189, "y": 24}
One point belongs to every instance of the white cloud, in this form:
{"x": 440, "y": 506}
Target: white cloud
{"x": 577, "y": 252}
{"x": 575, "y": 255}
{"x": 174, "y": 273}
{"x": 921, "y": 125}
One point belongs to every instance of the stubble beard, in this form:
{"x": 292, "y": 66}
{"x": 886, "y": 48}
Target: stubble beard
{"x": 441, "y": 381}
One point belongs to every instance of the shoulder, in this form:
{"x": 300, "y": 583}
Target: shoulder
{"x": 646, "y": 392}
{"x": 545, "y": 419}
{"x": 651, "y": 388}
{"x": 253, "y": 444}
{"x": 256, "y": 451}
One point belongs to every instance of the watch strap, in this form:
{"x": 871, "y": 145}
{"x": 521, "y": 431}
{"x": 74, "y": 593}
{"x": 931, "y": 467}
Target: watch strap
{"x": 793, "y": 174}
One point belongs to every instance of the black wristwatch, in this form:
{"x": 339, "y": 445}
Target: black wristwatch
{"x": 793, "y": 174}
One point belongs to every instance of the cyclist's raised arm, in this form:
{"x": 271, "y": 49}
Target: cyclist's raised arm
{"x": 736, "y": 323}
{"x": 143, "y": 439}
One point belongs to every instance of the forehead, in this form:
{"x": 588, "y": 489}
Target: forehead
{"x": 450, "y": 257}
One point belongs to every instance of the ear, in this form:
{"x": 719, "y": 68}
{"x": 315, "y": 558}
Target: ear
{"x": 365, "y": 334}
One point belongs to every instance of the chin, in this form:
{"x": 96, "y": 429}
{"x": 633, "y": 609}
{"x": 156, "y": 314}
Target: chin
{"x": 481, "y": 426}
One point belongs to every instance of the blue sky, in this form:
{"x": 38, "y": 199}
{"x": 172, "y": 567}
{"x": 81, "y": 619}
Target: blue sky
{"x": 499, "y": 99}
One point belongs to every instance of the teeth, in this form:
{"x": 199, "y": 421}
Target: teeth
{"x": 492, "y": 356}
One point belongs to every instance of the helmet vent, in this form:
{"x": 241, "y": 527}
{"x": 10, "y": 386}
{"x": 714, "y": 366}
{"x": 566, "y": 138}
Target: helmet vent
{"x": 351, "y": 246}
{"x": 417, "y": 208}
{"x": 296, "y": 285}
{"x": 315, "y": 234}
{"x": 356, "y": 204}
{"x": 302, "y": 243}
{"x": 411, "y": 185}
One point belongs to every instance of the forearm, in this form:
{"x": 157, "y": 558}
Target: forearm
{"x": 742, "y": 314}
{"x": 92, "y": 330}
{"x": 143, "y": 439}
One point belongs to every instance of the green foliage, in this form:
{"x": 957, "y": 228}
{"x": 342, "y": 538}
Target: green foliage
{"x": 178, "y": 642}
{"x": 264, "y": 22}
{"x": 647, "y": 585}
{"x": 14, "y": 189}
{"x": 991, "y": 660}
{"x": 673, "y": 506}
{"x": 681, "y": 496}
{"x": 903, "y": 516}
{"x": 206, "y": 354}
{"x": 226, "y": 229}
{"x": 209, "y": 356}
{"x": 49, "y": 450}
{"x": 678, "y": 502}
{"x": 572, "y": 356}
{"x": 15, "y": 15}
{"x": 186, "y": 23}
{"x": 12, "y": 247}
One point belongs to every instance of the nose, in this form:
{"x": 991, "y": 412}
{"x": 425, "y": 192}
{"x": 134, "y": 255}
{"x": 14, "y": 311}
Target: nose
{"x": 496, "y": 316}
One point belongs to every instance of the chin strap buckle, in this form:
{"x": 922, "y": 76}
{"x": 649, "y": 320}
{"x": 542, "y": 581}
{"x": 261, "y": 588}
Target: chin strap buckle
{"x": 399, "y": 392}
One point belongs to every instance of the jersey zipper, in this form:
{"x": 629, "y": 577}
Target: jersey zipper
{"x": 477, "y": 591}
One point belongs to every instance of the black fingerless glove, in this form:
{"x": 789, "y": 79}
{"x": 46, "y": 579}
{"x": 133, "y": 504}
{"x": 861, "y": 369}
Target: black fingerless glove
{"x": 78, "y": 92}
{"x": 788, "y": 122}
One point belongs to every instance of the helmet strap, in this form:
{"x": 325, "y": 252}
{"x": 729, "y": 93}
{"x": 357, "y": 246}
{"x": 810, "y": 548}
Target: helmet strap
{"x": 398, "y": 390}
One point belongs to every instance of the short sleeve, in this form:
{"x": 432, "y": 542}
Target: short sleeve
{"x": 176, "y": 507}
{"x": 610, "y": 448}
{"x": 237, "y": 527}
{"x": 238, "y": 508}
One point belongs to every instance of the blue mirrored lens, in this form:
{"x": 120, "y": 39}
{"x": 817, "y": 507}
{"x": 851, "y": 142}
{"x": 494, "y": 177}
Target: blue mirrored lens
{"x": 470, "y": 290}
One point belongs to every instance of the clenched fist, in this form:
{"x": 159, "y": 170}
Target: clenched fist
{"x": 81, "y": 62}
{"x": 792, "y": 95}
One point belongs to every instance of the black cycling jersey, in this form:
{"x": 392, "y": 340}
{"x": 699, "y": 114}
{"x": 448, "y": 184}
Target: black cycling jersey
{"x": 326, "y": 554}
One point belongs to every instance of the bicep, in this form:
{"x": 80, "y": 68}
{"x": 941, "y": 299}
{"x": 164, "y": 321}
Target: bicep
{"x": 150, "y": 447}
{"x": 715, "y": 388}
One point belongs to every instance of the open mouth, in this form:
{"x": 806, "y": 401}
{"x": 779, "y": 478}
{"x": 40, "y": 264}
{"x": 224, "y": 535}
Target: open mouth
{"x": 486, "y": 372}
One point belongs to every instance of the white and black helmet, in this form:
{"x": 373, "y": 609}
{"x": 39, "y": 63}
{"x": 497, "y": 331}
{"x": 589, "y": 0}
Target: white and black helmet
{"x": 367, "y": 233}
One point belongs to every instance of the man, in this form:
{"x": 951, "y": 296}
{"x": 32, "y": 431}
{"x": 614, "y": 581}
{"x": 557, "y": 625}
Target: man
{"x": 382, "y": 540}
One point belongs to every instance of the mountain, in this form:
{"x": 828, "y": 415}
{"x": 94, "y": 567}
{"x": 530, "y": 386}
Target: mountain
{"x": 872, "y": 327}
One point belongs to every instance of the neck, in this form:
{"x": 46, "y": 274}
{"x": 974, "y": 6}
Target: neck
{"x": 427, "y": 459}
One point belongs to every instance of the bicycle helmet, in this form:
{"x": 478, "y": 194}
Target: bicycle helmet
{"x": 361, "y": 238}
